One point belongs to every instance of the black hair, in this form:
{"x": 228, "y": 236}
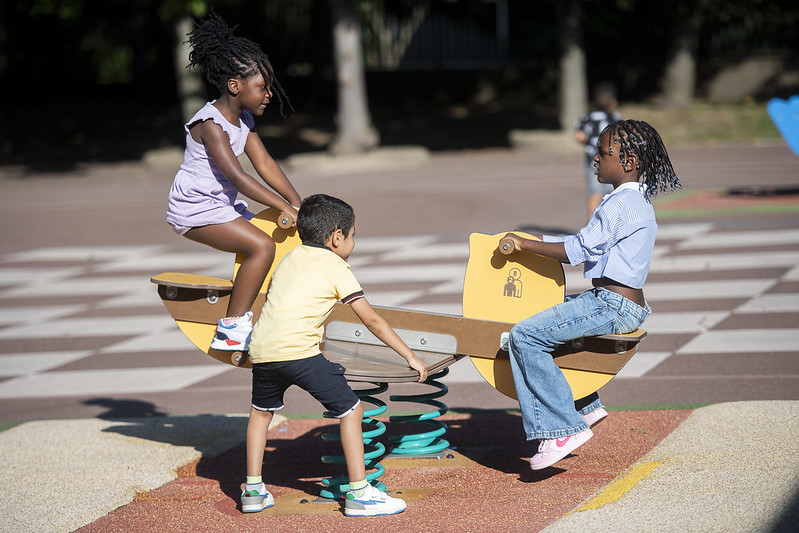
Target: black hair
{"x": 654, "y": 166}
{"x": 320, "y": 215}
{"x": 222, "y": 55}
{"x": 603, "y": 95}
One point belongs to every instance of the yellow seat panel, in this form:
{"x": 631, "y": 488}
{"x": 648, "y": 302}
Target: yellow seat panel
{"x": 510, "y": 288}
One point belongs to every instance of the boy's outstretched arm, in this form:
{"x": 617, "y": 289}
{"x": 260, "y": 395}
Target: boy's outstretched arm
{"x": 381, "y": 329}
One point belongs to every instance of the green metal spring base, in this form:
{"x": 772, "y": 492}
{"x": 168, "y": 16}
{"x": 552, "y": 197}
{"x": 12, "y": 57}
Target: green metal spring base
{"x": 338, "y": 486}
{"x": 429, "y": 442}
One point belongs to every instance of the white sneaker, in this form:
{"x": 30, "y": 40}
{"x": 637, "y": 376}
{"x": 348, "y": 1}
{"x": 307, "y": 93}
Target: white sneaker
{"x": 233, "y": 334}
{"x": 374, "y": 502}
{"x": 550, "y": 451}
{"x": 595, "y": 417}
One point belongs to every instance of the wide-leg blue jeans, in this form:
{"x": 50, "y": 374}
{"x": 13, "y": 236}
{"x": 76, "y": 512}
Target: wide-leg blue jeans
{"x": 546, "y": 401}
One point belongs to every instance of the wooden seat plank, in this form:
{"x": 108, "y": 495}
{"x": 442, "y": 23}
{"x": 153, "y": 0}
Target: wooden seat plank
{"x": 481, "y": 338}
{"x": 192, "y": 281}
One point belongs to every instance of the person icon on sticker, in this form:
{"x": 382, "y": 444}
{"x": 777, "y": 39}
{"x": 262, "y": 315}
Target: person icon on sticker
{"x": 513, "y": 287}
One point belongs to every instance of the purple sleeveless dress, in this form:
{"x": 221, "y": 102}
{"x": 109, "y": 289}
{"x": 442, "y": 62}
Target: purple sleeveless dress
{"x": 201, "y": 194}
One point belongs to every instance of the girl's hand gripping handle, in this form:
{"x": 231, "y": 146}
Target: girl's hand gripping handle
{"x": 507, "y": 246}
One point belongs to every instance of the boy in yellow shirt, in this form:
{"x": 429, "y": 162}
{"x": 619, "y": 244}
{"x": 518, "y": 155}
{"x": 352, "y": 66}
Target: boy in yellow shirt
{"x": 284, "y": 349}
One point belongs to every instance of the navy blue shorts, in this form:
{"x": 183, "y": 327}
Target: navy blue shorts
{"x": 324, "y": 380}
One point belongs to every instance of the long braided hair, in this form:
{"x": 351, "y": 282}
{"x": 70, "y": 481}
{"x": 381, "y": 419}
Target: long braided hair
{"x": 639, "y": 138}
{"x": 222, "y": 55}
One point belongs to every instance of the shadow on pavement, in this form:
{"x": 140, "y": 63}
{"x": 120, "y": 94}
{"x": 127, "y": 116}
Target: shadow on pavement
{"x": 124, "y": 408}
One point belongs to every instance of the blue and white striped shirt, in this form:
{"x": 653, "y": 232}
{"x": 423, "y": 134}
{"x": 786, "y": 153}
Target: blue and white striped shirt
{"x": 617, "y": 243}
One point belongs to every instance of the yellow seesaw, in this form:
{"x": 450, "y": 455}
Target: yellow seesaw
{"x": 499, "y": 290}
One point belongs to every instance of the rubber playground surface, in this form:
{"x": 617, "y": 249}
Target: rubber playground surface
{"x": 483, "y": 484}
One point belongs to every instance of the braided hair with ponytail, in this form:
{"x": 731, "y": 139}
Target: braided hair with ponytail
{"x": 642, "y": 140}
{"x": 221, "y": 55}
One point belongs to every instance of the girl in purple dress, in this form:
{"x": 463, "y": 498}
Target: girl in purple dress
{"x": 203, "y": 203}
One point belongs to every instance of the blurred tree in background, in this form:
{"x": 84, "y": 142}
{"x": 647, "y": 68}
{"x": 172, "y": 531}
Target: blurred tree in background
{"x": 107, "y": 80}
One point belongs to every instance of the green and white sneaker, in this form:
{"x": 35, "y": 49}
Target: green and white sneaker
{"x": 372, "y": 502}
{"x": 254, "y": 501}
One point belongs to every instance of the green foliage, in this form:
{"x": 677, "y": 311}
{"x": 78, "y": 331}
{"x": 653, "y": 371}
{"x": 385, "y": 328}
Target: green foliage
{"x": 63, "y": 10}
{"x": 198, "y": 8}
{"x": 171, "y": 9}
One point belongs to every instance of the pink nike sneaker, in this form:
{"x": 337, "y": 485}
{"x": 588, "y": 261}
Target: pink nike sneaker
{"x": 595, "y": 417}
{"x": 550, "y": 451}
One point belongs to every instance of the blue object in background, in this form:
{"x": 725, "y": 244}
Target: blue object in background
{"x": 785, "y": 114}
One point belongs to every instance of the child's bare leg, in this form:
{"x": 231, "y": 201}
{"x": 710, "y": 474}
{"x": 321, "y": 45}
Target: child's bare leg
{"x": 250, "y": 276}
{"x": 241, "y": 237}
{"x": 256, "y": 497}
{"x": 352, "y": 443}
{"x": 257, "y": 427}
{"x": 362, "y": 499}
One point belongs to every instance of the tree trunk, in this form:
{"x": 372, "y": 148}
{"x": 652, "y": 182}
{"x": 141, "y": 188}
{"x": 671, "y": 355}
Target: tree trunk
{"x": 679, "y": 78}
{"x": 573, "y": 90}
{"x": 191, "y": 90}
{"x": 355, "y": 131}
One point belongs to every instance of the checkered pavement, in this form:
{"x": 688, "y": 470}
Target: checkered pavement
{"x": 78, "y": 321}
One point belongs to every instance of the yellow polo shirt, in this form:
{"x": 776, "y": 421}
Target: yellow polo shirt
{"x": 305, "y": 286}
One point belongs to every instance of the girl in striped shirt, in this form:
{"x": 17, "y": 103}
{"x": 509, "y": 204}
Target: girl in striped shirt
{"x": 615, "y": 249}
